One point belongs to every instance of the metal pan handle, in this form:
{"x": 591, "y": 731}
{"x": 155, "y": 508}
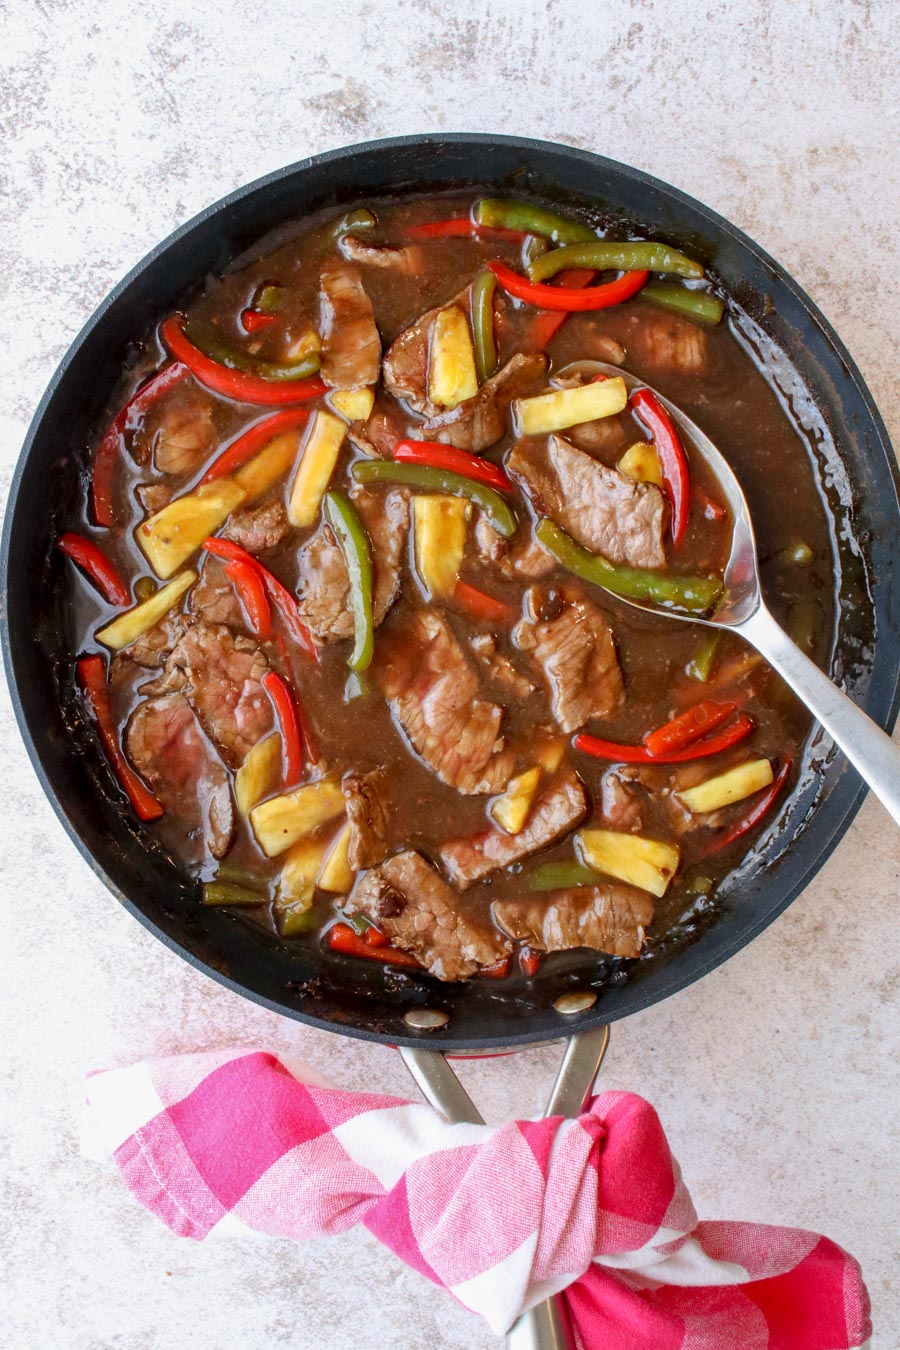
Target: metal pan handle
{"x": 546, "y": 1326}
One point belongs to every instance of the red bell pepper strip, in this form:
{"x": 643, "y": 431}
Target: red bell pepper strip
{"x": 312, "y": 750}
{"x": 375, "y": 937}
{"x": 753, "y": 816}
{"x": 672, "y": 459}
{"x": 498, "y": 971}
{"x": 482, "y": 606}
{"x": 289, "y": 723}
{"x": 110, "y": 448}
{"x": 457, "y": 461}
{"x": 341, "y": 938}
{"x": 545, "y": 326}
{"x": 253, "y": 439}
{"x": 530, "y": 961}
{"x": 254, "y": 319}
{"x": 279, "y": 595}
{"x": 639, "y": 754}
{"x": 234, "y": 384}
{"x": 462, "y": 227}
{"x": 98, "y": 567}
{"x": 688, "y": 726}
{"x": 568, "y": 298}
{"x": 252, "y": 594}
{"x": 92, "y": 679}
{"x": 712, "y": 510}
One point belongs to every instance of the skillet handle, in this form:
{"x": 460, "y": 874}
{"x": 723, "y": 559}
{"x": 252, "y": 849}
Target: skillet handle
{"x": 546, "y": 1326}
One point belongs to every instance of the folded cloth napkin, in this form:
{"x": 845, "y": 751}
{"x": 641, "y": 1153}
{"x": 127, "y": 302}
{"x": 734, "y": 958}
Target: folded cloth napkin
{"x": 501, "y": 1216}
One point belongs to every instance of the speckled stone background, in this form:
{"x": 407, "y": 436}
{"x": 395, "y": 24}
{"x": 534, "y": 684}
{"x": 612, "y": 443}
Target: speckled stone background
{"x": 776, "y": 1076}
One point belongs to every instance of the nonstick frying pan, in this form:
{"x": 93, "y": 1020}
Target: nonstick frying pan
{"x": 817, "y": 382}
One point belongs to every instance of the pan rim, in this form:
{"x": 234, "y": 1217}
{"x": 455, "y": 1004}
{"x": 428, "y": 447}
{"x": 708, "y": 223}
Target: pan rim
{"x": 673, "y": 978}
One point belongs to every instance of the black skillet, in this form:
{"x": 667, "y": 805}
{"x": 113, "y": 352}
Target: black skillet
{"x": 856, "y": 471}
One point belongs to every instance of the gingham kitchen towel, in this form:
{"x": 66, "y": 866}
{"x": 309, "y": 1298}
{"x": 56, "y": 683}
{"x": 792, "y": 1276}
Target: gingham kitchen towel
{"x": 500, "y": 1216}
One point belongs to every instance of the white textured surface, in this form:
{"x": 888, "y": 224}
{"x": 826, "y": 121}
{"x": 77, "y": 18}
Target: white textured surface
{"x": 773, "y": 1076}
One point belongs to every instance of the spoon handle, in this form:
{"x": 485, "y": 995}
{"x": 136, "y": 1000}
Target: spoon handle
{"x": 869, "y": 749}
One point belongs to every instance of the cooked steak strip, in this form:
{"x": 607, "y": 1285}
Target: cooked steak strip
{"x": 154, "y": 496}
{"x": 434, "y": 694}
{"x": 257, "y": 528}
{"x": 620, "y": 804}
{"x": 213, "y": 597}
{"x": 479, "y": 421}
{"x": 499, "y": 669}
{"x": 405, "y": 366}
{"x": 377, "y": 436}
{"x": 601, "y": 508}
{"x": 351, "y": 346}
{"x": 166, "y": 745}
{"x": 667, "y": 344}
{"x": 224, "y": 673}
{"x": 323, "y": 583}
{"x": 179, "y": 433}
{"x": 610, "y": 918}
{"x": 408, "y": 901}
{"x": 523, "y": 556}
{"x": 558, "y": 809}
{"x": 409, "y": 259}
{"x": 368, "y": 815}
{"x": 575, "y": 651}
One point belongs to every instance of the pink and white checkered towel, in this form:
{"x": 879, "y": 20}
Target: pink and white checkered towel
{"x": 501, "y": 1216}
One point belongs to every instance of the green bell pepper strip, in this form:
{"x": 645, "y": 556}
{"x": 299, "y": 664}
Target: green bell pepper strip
{"x": 483, "y": 325}
{"x": 621, "y": 256}
{"x": 226, "y": 893}
{"x": 499, "y": 512}
{"x": 697, "y": 305}
{"x": 359, "y": 219}
{"x": 700, "y": 666}
{"x": 354, "y": 544}
{"x": 697, "y": 594}
{"x": 510, "y": 214}
{"x": 234, "y": 359}
{"x": 269, "y": 298}
{"x": 559, "y": 876}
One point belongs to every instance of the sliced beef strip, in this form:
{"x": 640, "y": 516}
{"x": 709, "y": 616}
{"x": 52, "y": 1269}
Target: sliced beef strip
{"x": 435, "y": 695}
{"x": 179, "y": 433}
{"x": 610, "y": 918}
{"x": 559, "y": 807}
{"x": 410, "y": 259}
{"x": 213, "y": 597}
{"x": 575, "y": 651}
{"x": 602, "y": 509}
{"x": 408, "y": 901}
{"x": 500, "y": 670}
{"x": 609, "y": 436}
{"x": 323, "y": 583}
{"x": 377, "y": 436}
{"x": 667, "y": 344}
{"x": 479, "y": 421}
{"x": 257, "y": 528}
{"x": 224, "y": 672}
{"x": 368, "y": 815}
{"x": 405, "y": 366}
{"x": 154, "y": 496}
{"x": 351, "y": 346}
{"x": 166, "y": 744}
{"x": 523, "y": 556}
{"x": 620, "y": 804}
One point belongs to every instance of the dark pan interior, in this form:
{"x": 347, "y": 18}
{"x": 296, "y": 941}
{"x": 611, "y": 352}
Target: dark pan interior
{"x": 859, "y": 479}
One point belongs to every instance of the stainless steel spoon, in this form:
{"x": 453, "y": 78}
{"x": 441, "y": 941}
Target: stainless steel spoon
{"x": 872, "y": 753}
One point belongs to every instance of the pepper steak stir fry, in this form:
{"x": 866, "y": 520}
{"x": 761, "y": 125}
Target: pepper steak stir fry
{"x": 359, "y": 529}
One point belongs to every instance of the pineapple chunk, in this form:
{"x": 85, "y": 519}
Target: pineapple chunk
{"x": 648, "y": 863}
{"x": 641, "y": 461}
{"x": 323, "y": 445}
{"x": 336, "y": 874}
{"x": 307, "y": 343}
{"x": 439, "y": 533}
{"x": 171, "y": 535}
{"x": 452, "y": 376}
{"x": 549, "y": 753}
{"x": 354, "y": 405}
{"x": 297, "y": 886}
{"x": 567, "y": 407}
{"x": 725, "y": 788}
{"x": 129, "y": 626}
{"x": 270, "y": 464}
{"x": 281, "y": 821}
{"x": 511, "y": 811}
{"x": 259, "y": 773}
